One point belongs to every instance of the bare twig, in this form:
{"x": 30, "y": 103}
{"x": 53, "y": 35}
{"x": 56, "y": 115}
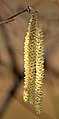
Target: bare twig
{"x": 12, "y": 17}
{"x": 27, "y": 9}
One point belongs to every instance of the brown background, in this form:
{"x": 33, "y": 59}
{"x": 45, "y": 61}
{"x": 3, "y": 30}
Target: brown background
{"x": 12, "y": 37}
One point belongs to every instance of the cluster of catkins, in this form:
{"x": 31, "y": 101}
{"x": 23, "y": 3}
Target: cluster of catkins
{"x": 34, "y": 65}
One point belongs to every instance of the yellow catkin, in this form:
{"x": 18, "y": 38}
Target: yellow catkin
{"x": 30, "y": 60}
{"x": 33, "y": 65}
{"x": 39, "y": 70}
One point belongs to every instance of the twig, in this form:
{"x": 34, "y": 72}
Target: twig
{"x": 27, "y": 9}
{"x": 12, "y": 17}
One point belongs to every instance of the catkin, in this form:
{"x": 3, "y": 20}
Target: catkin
{"x": 39, "y": 71}
{"x": 30, "y": 61}
{"x": 33, "y": 65}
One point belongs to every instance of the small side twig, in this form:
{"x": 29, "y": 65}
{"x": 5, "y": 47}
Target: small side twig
{"x": 12, "y": 17}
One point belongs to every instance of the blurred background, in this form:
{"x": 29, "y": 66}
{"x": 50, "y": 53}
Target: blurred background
{"x": 11, "y": 59}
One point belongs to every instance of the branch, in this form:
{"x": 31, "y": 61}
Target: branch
{"x": 27, "y": 9}
{"x": 12, "y": 18}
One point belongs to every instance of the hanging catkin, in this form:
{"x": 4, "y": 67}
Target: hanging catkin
{"x": 33, "y": 64}
{"x": 39, "y": 70}
{"x": 30, "y": 61}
